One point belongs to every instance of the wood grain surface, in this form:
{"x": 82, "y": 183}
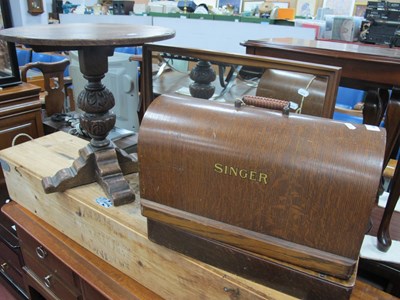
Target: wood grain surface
{"x": 363, "y": 66}
{"x": 107, "y": 280}
{"x": 118, "y": 235}
{"x": 76, "y": 36}
{"x": 208, "y": 159}
{"x": 330, "y": 73}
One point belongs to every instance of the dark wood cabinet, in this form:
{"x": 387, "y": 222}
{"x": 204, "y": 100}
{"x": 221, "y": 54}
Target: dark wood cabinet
{"x": 55, "y": 267}
{"x": 46, "y": 271}
{"x": 20, "y": 116}
{"x": 10, "y": 257}
{"x": 20, "y": 113}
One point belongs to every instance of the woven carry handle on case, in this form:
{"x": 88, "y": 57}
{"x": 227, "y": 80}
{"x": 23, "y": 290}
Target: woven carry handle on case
{"x": 265, "y": 102}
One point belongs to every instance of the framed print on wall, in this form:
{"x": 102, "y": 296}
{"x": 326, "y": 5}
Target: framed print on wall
{"x": 237, "y": 5}
{"x": 340, "y": 7}
{"x": 306, "y": 8}
{"x": 35, "y": 7}
{"x": 281, "y": 4}
{"x": 250, "y": 5}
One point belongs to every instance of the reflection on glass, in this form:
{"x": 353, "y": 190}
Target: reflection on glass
{"x": 9, "y": 70}
{"x": 5, "y": 64}
{"x": 172, "y": 74}
{"x": 35, "y": 4}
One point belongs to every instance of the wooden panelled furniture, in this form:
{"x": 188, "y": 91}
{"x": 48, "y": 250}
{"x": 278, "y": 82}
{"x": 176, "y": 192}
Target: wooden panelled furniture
{"x": 363, "y": 66}
{"x": 20, "y": 113}
{"x": 93, "y": 278}
{"x": 11, "y": 262}
{"x": 58, "y": 268}
{"x": 370, "y": 68}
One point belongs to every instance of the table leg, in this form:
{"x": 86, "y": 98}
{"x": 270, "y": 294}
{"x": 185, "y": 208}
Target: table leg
{"x": 100, "y": 161}
{"x": 202, "y": 75}
{"x": 392, "y": 124}
{"x": 375, "y": 106}
{"x": 384, "y": 239}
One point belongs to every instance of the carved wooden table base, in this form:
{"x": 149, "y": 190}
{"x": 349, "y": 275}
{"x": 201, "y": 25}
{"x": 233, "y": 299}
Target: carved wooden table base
{"x": 106, "y": 166}
{"x": 100, "y": 161}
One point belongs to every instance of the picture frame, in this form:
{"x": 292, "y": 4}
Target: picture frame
{"x": 237, "y": 5}
{"x": 281, "y": 4}
{"x": 251, "y": 5}
{"x": 340, "y": 7}
{"x": 35, "y": 7}
{"x": 9, "y": 70}
{"x": 306, "y": 8}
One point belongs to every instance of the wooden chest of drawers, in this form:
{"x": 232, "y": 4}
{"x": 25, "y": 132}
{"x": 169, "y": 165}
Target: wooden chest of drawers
{"x": 20, "y": 113}
{"x": 46, "y": 272}
{"x": 10, "y": 256}
{"x": 57, "y": 268}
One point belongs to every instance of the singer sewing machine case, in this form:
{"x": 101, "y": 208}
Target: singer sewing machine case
{"x": 283, "y": 200}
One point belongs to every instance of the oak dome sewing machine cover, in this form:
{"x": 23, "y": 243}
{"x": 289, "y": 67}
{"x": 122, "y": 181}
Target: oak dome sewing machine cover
{"x": 280, "y": 192}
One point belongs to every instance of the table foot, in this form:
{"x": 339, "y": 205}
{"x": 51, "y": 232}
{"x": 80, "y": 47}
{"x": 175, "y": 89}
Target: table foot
{"x": 107, "y": 166}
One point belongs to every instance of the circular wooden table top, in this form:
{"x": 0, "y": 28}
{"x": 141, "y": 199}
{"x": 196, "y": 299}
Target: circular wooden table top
{"x": 76, "y": 36}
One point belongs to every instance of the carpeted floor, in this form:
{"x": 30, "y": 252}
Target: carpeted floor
{"x": 5, "y": 294}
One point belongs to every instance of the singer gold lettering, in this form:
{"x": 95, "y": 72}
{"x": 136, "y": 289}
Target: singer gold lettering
{"x": 241, "y": 173}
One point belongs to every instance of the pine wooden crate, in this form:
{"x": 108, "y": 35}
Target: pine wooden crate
{"x": 118, "y": 235}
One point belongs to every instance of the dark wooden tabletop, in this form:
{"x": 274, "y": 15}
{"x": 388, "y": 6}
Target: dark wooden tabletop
{"x": 363, "y": 66}
{"x": 337, "y": 49}
{"x": 76, "y": 36}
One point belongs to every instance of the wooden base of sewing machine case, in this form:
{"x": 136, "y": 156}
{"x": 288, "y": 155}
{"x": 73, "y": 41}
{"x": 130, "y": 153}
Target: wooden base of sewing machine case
{"x": 298, "y": 282}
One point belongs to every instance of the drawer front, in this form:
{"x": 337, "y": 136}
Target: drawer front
{"x": 50, "y": 280}
{"x": 10, "y": 257}
{"x": 9, "y": 271}
{"x": 35, "y": 287}
{"x": 29, "y": 123}
{"x": 7, "y": 228}
{"x": 39, "y": 256}
{"x": 90, "y": 293}
{"x": 7, "y": 237}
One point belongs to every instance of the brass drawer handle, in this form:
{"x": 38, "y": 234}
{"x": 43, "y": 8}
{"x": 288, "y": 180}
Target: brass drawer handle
{"x": 41, "y": 252}
{"x": 4, "y": 266}
{"x": 47, "y": 280}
